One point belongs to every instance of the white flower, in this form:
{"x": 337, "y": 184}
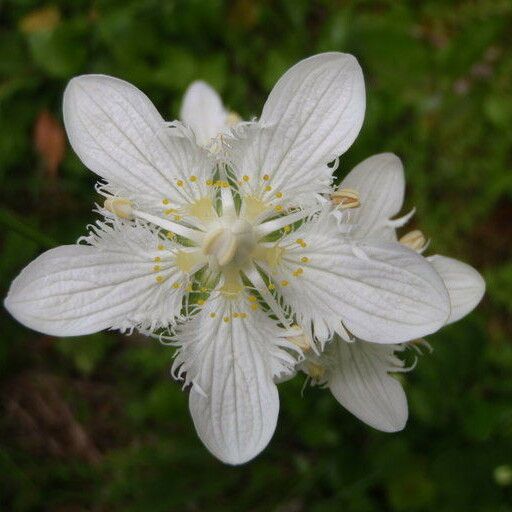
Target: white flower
{"x": 231, "y": 241}
{"x": 357, "y": 373}
{"x": 202, "y": 111}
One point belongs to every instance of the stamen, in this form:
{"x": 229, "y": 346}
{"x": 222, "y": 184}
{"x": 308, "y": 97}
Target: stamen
{"x": 300, "y": 339}
{"x": 346, "y": 198}
{"x": 415, "y": 240}
{"x": 119, "y": 206}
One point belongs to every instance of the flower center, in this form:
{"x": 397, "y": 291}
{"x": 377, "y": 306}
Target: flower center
{"x": 229, "y": 243}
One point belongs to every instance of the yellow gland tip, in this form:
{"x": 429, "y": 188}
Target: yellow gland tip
{"x": 243, "y": 315}
{"x": 346, "y": 198}
{"x": 193, "y": 178}
{"x": 157, "y": 258}
{"x": 159, "y": 279}
{"x": 161, "y": 247}
{"x": 284, "y": 282}
{"x": 176, "y": 285}
{"x": 179, "y": 183}
{"x": 157, "y": 268}
{"x": 213, "y": 315}
{"x": 304, "y": 259}
{"x": 200, "y": 302}
{"x": 268, "y": 188}
{"x": 278, "y": 208}
{"x": 266, "y": 177}
{"x": 226, "y": 319}
{"x": 165, "y": 201}
{"x": 246, "y": 178}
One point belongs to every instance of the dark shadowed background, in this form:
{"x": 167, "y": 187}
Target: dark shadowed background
{"x": 96, "y": 424}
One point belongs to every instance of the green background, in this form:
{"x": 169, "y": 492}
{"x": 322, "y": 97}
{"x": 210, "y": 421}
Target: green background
{"x": 96, "y": 424}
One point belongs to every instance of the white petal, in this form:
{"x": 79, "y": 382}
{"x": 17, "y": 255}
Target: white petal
{"x": 203, "y": 111}
{"x": 380, "y": 290}
{"x": 359, "y": 380}
{"x": 312, "y": 116}
{"x": 78, "y": 289}
{"x": 118, "y": 133}
{"x": 380, "y": 182}
{"x": 233, "y": 401}
{"x": 465, "y": 285}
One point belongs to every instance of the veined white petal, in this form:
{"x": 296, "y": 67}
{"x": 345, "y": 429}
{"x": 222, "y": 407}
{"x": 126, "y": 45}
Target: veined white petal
{"x": 358, "y": 377}
{"x": 380, "y": 290}
{"x": 380, "y": 183}
{"x": 465, "y": 285}
{"x": 203, "y": 111}
{"x": 231, "y": 360}
{"x": 80, "y": 289}
{"x": 118, "y": 133}
{"x": 312, "y": 116}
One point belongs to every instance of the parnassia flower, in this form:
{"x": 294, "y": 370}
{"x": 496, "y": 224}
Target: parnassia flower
{"x": 221, "y": 253}
{"x": 357, "y": 373}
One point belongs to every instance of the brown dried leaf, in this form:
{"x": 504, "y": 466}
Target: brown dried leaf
{"x": 50, "y": 141}
{"x": 46, "y": 18}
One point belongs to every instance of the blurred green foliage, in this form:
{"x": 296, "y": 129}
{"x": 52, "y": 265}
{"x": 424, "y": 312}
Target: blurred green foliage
{"x": 96, "y": 424}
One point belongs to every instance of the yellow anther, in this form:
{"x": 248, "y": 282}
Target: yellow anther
{"x": 193, "y": 178}
{"x": 415, "y": 240}
{"x": 179, "y": 183}
{"x": 169, "y": 211}
{"x": 176, "y": 285}
{"x": 279, "y": 195}
{"x": 287, "y": 229}
{"x": 232, "y": 119}
{"x": 268, "y": 188}
{"x": 200, "y": 302}
{"x": 246, "y": 178}
{"x": 157, "y": 258}
{"x": 278, "y": 208}
{"x": 298, "y": 272}
{"x": 315, "y": 371}
{"x": 224, "y": 184}
{"x": 165, "y": 201}
{"x": 188, "y": 288}
{"x": 271, "y": 286}
{"x": 300, "y": 339}
{"x": 254, "y": 307}
{"x": 236, "y": 315}
{"x": 304, "y": 259}
{"x": 226, "y": 319}
{"x": 161, "y": 247}
{"x": 266, "y": 177}
{"x": 157, "y": 268}
{"x": 252, "y": 298}
{"x": 159, "y": 279}
{"x": 209, "y": 183}
{"x": 284, "y": 282}
{"x": 119, "y": 206}
{"x": 170, "y": 235}
{"x": 346, "y": 198}
{"x": 243, "y": 315}
{"x": 213, "y": 315}
{"x": 177, "y": 217}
